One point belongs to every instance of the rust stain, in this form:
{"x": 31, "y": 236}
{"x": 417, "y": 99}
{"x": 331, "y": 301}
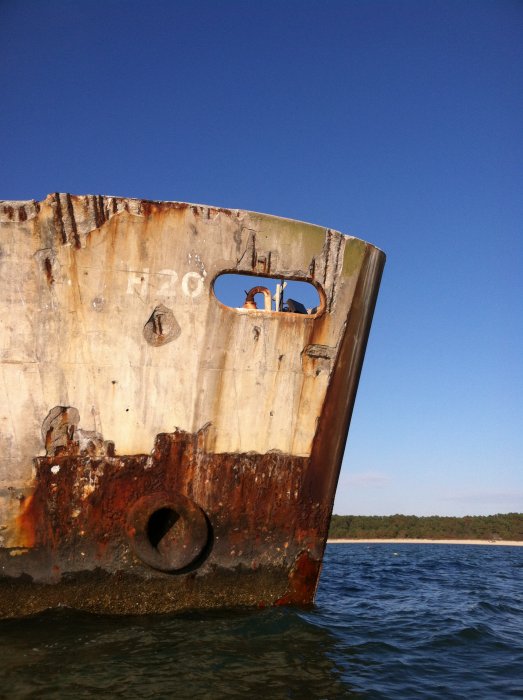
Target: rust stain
{"x": 58, "y": 218}
{"x": 302, "y": 580}
{"x": 152, "y": 208}
{"x": 98, "y": 211}
{"x": 213, "y": 211}
{"x": 70, "y": 211}
{"x": 25, "y": 525}
{"x": 48, "y": 270}
{"x": 79, "y": 512}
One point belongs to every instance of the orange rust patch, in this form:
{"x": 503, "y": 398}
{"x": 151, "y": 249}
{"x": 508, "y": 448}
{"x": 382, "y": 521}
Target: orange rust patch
{"x": 78, "y": 514}
{"x": 25, "y": 524}
{"x": 302, "y": 581}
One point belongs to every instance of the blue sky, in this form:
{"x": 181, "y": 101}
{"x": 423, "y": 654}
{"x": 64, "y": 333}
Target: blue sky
{"x": 395, "y": 121}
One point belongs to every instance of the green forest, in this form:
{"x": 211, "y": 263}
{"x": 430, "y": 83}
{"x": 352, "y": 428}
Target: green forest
{"x": 470, "y": 527}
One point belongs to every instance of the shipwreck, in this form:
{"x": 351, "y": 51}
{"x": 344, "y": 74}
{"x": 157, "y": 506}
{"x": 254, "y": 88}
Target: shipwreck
{"x": 159, "y": 449}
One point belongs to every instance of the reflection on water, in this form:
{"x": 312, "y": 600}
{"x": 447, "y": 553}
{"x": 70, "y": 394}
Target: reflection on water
{"x": 269, "y": 653}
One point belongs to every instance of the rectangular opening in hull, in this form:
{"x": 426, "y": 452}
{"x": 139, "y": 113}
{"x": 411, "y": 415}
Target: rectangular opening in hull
{"x": 270, "y": 294}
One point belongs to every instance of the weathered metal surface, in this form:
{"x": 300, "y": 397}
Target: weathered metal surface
{"x": 160, "y": 451}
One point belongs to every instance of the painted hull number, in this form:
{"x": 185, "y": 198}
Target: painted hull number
{"x": 165, "y": 283}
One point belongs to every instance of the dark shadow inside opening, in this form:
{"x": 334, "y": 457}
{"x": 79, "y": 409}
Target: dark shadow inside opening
{"x": 160, "y": 522}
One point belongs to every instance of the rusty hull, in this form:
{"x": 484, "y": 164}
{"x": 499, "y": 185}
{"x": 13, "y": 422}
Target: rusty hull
{"x": 160, "y": 451}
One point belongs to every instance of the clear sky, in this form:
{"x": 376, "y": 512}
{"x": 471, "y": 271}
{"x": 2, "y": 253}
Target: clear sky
{"x": 397, "y": 121}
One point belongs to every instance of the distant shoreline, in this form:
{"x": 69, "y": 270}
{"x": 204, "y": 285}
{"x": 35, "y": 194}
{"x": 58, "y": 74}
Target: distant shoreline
{"x": 412, "y": 540}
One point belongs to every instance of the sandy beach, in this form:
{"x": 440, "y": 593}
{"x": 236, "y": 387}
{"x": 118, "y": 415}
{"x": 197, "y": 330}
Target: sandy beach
{"x": 511, "y": 543}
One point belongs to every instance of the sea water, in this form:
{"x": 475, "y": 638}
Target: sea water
{"x": 391, "y": 621}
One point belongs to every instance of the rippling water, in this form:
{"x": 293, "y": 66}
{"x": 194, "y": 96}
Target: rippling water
{"x": 391, "y": 621}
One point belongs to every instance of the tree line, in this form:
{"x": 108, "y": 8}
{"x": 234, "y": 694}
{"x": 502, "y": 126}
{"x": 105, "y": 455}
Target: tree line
{"x": 507, "y": 526}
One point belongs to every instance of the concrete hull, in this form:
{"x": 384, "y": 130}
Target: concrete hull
{"x": 159, "y": 450}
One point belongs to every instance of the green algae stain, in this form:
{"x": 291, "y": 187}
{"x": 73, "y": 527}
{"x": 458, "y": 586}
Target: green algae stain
{"x": 288, "y": 232}
{"x": 354, "y": 254}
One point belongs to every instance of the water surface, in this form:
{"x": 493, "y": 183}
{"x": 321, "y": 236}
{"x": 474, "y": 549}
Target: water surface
{"x": 391, "y": 621}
